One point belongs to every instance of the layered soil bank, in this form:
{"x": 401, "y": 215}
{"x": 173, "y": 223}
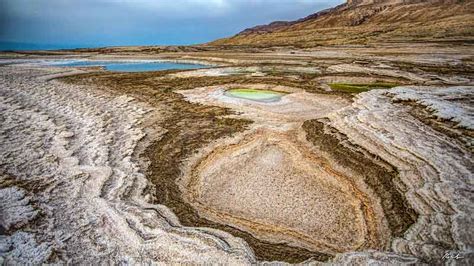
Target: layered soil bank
{"x": 381, "y": 177}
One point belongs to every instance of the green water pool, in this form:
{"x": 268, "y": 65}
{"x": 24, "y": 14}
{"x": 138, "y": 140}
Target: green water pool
{"x": 255, "y": 95}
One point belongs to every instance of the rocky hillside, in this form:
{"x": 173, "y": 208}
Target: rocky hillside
{"x": 367, "y": 21}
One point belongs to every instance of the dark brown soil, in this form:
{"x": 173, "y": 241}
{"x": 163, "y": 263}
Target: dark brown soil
{"x": 446, "y": 127}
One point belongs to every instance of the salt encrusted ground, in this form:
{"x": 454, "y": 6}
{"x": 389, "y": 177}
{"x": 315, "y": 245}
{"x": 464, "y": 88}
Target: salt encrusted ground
{"x": 70, "y": 164}
{"x": 74, "y": 186}
{"x": 435, "y": 170}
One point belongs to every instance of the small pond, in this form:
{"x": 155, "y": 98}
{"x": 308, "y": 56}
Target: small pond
{"x": 129, "y": 66}
{"x": 265, "y": 96}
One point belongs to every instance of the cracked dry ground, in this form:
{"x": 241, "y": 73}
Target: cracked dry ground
{"x": 147, "y": 167}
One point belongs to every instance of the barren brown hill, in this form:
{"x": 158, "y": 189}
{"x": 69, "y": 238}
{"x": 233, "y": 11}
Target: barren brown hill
{"x": 368, "y": 21}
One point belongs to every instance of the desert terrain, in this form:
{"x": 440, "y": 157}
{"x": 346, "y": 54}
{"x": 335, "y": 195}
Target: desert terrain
{"x": 336, "y": 152}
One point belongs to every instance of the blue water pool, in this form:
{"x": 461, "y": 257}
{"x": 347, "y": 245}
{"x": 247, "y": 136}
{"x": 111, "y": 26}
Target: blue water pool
{"x": 130, "y": 66}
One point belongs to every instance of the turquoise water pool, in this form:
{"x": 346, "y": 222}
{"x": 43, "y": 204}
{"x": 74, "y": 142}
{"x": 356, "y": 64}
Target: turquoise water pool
{"x": 255, "y": 95}
{"x": 130, "y": 66}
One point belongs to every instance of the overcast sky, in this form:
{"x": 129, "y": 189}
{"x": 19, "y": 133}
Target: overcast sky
{"x": 141, "y": 22}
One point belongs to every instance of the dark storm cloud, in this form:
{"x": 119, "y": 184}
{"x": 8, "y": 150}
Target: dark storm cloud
{"x": 134, "y": 22}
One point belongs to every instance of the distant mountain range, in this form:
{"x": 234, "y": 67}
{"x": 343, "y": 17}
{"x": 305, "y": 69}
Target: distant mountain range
{"x": 367, "y": 21}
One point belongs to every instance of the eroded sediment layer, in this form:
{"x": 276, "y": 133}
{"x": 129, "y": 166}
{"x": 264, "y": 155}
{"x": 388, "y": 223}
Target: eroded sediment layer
{"x": 435, "y": 171}
{"x": 72, "y": 184}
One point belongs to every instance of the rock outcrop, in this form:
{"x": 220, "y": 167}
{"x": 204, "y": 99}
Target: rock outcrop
{"x": 367, "y": 21}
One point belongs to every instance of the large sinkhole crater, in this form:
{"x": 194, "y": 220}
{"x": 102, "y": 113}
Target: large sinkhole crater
{"x": 287, "y": 181}
{"x": 269, "y": 186}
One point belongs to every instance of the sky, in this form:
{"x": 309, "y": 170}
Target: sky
{"x": 52, "y": 24}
